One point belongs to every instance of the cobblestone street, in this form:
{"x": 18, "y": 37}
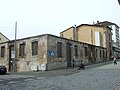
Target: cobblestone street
{"x": 97, "y": 77}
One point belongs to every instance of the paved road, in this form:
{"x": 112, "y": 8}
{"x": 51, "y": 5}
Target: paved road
{"x": 97, "y": 77}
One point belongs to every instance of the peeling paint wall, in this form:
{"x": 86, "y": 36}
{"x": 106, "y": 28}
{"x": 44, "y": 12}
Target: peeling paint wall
{"x": 25, "y": 64}
{"x": 48, "y": 54}
{"x": 55, "y": 62}
{"x": 4, "y": 60}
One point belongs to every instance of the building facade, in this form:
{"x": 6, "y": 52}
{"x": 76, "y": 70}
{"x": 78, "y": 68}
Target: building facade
{"x": 115, "y": 32}
{"x": 115, "y": 36}
{"x": 47, "y": 52}
{"x": 97, "y": 35}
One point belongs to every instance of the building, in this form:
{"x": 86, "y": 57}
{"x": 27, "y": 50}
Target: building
{"x": 48, "y": 52}
{"x": 3, "y": 38}
{"x": 115, "y": 32}
{"x": 115, "y": 36}
{"x": 97, "y": 35}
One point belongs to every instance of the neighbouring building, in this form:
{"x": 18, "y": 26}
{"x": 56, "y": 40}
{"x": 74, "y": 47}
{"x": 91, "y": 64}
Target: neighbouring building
{"x": 115, "y": 36}
{"x": 3, "y": 38}
{"x": 97, "y": 35}
{"x": 47, "y": 52}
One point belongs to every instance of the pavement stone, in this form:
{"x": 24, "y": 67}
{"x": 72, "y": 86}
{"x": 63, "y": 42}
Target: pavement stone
{"x": 95, "y": 77}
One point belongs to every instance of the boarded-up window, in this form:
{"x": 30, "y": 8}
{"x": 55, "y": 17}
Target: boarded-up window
{"x": 35, "y": 48}
{"x": 76, "y": 50}
{"x": 22, "y": 50}
{"x": 86, "y": 52}
{"x": 2, "y": 51}
{"x": 59, "y": 49}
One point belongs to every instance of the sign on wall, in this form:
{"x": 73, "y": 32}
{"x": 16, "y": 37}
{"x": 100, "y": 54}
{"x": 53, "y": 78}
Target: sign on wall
{"x": 13, "y": 54}
{"x": 52, "y": 53}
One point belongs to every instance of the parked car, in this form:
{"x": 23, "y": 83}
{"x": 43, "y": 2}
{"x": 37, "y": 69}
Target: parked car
{"x": 3, "y": 70}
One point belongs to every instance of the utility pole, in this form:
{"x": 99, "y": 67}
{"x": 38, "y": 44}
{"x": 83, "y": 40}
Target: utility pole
{"x": 14, "y": 64}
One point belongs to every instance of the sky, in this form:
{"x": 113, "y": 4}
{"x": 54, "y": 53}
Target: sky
{"x": 36, "y": 17}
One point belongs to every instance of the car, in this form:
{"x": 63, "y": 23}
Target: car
{"x": 3, "y": 70}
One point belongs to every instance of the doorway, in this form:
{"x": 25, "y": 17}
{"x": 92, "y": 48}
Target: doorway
{"x": 11, "y": 60}
{"x": 68, "y": 54}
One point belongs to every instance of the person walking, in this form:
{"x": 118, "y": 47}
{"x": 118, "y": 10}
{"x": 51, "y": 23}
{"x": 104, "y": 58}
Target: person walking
{"x": 114, "y": 61}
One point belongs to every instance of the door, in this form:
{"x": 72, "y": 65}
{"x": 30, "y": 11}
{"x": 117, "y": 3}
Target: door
{"x": 68, "y": 54}
{"x": 11, "y": 48}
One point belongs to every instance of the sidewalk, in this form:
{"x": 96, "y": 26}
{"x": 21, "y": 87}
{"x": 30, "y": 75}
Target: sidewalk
{"x": 62, "y": 71}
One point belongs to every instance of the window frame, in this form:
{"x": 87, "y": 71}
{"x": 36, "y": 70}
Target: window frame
{"x": 86, "y": 51}
{"x": 2, "y": 51}
{"x": 22, "y": 50}
{"x": 34, "y": 48}
{"x": 59, "y": 49}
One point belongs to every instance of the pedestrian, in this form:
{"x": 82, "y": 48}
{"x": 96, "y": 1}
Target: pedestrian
{"x": 114, "y": 61}
{"x": 73, "y": 63}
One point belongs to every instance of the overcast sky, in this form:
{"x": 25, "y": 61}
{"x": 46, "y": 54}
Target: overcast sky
{"x": 36, "y": 17}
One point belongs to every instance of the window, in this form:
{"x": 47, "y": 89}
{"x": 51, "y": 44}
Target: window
{"x": 103, "y": 54}
{"x": 76, "y": 50}
{"x": 3, "y": 51}
{"x": 106, "y": 54}
{"x": 85, "y": 51}
{"x": 35, "y": 48}
{"x": 109, "y": 37}
{"x": 96, "y": 53}
{"x": 100, "y": 54}
{"x": 59, "y": 49}
{"x": 22, "y": 50}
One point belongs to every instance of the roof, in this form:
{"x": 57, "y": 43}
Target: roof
{"x": 107, "y": 23}
{"x": 4, "y": 36}
{"x": 95, "y": 25}
{"x": 67, "y": 29}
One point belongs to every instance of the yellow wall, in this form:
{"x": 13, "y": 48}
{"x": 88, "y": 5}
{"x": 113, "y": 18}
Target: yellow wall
{"x": 87, "y": 34}
{"x": 68, "y": 33}
{"x": 84, "y": 35}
